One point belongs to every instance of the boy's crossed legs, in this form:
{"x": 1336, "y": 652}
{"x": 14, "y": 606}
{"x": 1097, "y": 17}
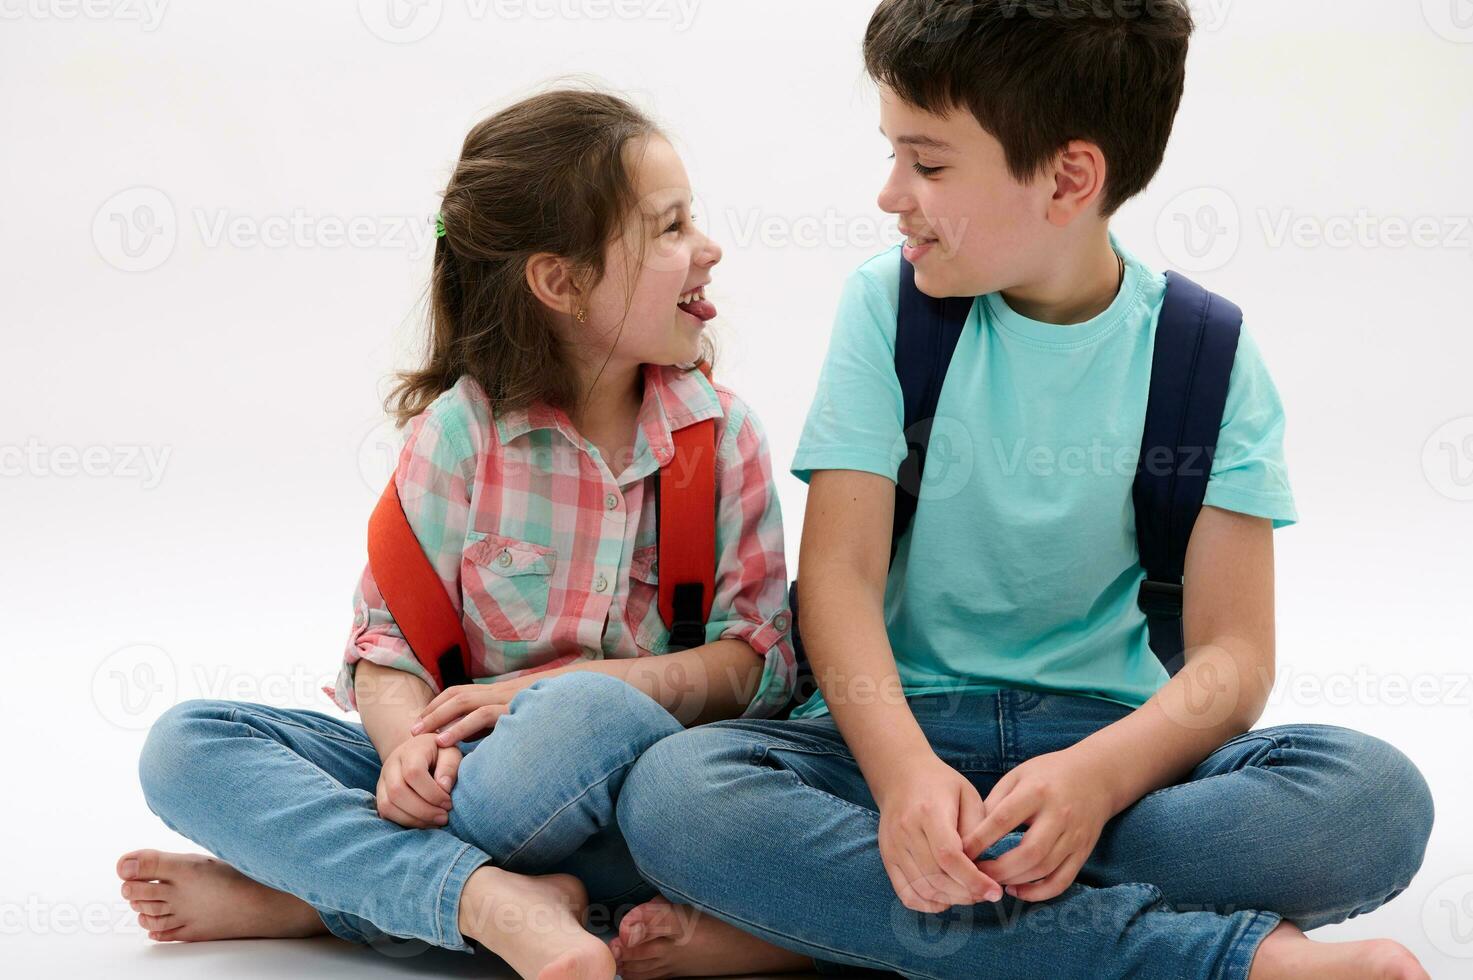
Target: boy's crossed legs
{"x": 770, "y": 827}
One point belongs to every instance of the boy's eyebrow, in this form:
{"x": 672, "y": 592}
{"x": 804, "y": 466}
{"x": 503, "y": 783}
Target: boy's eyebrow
{"x": 928, "y": 142}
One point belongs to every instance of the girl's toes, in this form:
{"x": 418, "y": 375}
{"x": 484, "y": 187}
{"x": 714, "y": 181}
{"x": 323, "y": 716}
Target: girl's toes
{"x": 145, "y": 891}
{"x": 142, "y": 864}
{"x": 156, "y": 923}
{"x": 158, "y": 909}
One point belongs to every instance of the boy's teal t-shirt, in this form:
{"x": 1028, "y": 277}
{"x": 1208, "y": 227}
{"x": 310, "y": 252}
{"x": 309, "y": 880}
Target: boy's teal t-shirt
{"x": 1020, "y": 568}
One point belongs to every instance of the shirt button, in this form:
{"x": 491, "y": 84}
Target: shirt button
{"x": 611, "y": 501}
{"x": 504, "y": 559}
{"x": 600, "y": 584}
{"x": 780, "y": 621}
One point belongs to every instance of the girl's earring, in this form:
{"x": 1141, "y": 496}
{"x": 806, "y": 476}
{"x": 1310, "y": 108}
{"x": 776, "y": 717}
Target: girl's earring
{"x": 581, "y": 316}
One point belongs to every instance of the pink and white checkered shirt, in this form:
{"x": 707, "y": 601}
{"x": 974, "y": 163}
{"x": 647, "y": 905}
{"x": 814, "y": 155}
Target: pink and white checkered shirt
{"x": 550, "y": 558}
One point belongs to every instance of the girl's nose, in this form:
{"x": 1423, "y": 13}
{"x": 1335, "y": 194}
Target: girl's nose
{"x": 710, "y": 253}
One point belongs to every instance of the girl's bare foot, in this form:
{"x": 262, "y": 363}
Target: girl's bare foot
{"x": 194, "y": 897}
{"x": 1287, "y": 953}
{"x": 660, "y": 939}
{"x": 535, "y": 923}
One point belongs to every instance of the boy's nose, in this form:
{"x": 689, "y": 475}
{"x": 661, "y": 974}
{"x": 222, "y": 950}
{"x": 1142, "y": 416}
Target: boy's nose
{"x": 893, "y": 200}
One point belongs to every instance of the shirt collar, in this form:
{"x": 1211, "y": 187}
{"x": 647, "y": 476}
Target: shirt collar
{"x": 674, "y": 397}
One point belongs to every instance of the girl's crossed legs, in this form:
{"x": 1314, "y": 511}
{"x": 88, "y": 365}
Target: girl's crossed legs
{"x": 287, "y": 799}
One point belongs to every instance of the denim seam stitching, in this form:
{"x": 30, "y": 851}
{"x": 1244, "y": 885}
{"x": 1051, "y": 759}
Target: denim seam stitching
{"x": 303, "y": 728}
{"x": 1236, "y": 954}
{"x": 837, "y": 799}
{"x": 559, "y": 811}
{"x": 1266, "y": 763}
{"x": 440, "y": 898}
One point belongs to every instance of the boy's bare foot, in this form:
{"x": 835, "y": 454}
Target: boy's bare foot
{"x": 660, "y": 939}
{"x": 1287, "y": 953}
{"x": 535, "y": 923}
{"x": 194, "y": 897}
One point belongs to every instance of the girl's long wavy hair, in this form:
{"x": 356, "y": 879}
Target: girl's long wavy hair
{"x": 547, "y": 174}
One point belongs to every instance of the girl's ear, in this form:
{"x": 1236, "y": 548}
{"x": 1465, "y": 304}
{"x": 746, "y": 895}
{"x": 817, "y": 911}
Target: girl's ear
{"x": 552, "y": 282}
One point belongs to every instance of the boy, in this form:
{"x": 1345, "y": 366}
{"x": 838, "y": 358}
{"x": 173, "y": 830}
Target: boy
{"x": 998, "y": 675}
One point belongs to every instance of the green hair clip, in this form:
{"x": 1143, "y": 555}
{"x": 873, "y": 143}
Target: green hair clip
{"x": 439, "y": 225}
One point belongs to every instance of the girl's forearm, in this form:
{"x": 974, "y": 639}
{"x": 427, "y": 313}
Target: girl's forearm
{"x": 705, "y": 683}
{"x": 389, "y": 701}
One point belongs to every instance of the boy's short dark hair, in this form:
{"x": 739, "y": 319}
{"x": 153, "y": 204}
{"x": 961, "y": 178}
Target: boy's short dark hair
{"x": 1038, "y": 73}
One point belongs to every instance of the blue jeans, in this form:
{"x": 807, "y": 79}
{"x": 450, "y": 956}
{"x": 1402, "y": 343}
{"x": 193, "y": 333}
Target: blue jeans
{"x": 287, "y": 797}
{"x": 769, "y": 825}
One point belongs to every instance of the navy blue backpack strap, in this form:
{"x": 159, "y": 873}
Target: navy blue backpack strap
{"x": 1196, "y": 343}
{"x": 926, "y": 335}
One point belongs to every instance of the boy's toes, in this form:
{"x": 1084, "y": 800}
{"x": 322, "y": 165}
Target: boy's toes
{"x": 654, "y": 919}
{"x": 150, "y": 908}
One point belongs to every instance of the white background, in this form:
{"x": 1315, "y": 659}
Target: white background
{"x": 249, "y": 369}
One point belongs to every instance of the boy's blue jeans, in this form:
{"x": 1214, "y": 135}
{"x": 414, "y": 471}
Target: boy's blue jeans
{"x": 287, "y": 797}
{"x": 769, "y": 825}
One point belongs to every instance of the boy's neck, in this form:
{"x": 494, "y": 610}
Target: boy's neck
{"x": 1079, "y": 285}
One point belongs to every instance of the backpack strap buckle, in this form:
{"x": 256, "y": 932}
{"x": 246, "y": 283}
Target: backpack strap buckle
{"x": 1160, "y": 599}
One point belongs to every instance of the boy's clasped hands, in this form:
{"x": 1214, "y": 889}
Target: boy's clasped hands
{"x": 932, "y": 819}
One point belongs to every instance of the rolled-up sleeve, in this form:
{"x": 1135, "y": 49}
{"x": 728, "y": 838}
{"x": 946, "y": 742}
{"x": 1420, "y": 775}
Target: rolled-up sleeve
{"x": 751, "y": 600}
{"x": 434, "y": 476}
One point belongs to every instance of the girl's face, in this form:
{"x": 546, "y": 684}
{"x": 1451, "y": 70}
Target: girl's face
{"x": 678, "y": 258}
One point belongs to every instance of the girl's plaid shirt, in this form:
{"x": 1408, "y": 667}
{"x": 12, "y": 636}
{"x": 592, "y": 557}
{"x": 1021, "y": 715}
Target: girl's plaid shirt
{"x": 550, "y": 558}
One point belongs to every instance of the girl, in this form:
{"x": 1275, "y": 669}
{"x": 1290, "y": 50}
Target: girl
{"x": 567, "y": 319}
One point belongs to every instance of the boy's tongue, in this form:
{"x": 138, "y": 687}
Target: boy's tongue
{"x": 701, "y": 309}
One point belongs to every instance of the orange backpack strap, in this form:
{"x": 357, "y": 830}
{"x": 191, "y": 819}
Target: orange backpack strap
{"x": 414, "y": 593}
{"x": 686, "y": 532}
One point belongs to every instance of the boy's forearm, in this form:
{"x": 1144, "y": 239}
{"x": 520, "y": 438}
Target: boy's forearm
{"x": 845, "y": 638}
{"x": 705, "y": 683}
{"x": 1188, "y": 718}
{"x": 389, "y": 701}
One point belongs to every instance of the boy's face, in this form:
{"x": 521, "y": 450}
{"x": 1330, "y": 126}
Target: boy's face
{"x": 989, "y": 232}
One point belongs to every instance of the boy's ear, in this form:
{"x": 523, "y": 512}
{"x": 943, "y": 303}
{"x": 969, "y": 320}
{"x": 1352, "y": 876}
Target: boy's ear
{"x": 552, "y": 282}
{"x": 1079, "y": 180}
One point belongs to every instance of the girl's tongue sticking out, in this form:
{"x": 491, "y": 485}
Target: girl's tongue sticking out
{"x": 700, "y": 308}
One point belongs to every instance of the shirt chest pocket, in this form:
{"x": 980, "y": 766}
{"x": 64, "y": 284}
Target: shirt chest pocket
{"x": 505, "y": 583}
{"x": 642, "y": 611}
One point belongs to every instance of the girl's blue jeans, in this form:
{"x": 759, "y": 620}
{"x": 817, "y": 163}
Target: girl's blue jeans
{"x": 287, "y": 797}
{"x": 769, "y": 825}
